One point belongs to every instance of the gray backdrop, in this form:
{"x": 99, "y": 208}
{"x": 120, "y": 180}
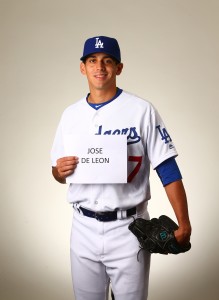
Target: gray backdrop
{"x": 170, "y": 53}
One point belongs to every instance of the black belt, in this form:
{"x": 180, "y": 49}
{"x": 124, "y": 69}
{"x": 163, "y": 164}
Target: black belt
{"x": 107, "y": 216}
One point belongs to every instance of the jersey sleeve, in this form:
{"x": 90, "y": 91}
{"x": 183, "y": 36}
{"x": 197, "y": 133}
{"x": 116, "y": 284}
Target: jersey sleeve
{"x": 57, "y": 150}
{"x": 160, "y": 146}
{"x": 168, "y": 171}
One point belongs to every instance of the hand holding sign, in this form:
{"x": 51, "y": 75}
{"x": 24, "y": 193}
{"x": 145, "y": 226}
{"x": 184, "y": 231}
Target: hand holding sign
{"x": 66, "y": 165}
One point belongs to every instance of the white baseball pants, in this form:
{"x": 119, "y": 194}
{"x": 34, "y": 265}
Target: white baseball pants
{"x": 104, "y": 252}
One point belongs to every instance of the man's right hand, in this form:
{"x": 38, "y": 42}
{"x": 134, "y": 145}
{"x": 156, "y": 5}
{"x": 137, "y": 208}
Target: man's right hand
{"x": 65, "y": 166}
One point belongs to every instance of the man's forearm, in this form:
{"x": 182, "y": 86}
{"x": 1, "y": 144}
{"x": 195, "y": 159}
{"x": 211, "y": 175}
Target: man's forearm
{"x": 177, "y": 197}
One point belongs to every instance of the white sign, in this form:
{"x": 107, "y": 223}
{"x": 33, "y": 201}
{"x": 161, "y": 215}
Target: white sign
{"x": 102, "y": 158}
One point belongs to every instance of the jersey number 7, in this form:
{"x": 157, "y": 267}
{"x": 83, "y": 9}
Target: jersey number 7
{"x": 138, "y": 160}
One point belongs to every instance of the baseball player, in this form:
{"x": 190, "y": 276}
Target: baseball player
{"x": 103, "y": 250}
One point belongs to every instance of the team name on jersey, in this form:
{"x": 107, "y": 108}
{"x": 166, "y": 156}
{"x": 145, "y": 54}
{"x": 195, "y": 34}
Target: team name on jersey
{"x": 132, "y": 135}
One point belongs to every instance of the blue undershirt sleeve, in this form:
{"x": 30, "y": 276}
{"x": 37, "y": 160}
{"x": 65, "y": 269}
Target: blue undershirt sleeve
{"x": 168, "y": 171}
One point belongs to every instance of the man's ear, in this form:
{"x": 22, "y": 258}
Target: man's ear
{"x": 82, "y": 68}
{"x": 119, "y": 69}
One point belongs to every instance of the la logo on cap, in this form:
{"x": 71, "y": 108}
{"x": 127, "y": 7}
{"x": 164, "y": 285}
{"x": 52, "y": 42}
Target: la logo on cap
{"x": 98, "y": 44}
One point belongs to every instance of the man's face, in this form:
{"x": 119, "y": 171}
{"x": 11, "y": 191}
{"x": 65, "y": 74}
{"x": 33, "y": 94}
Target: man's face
{"x": 101, "y": 71}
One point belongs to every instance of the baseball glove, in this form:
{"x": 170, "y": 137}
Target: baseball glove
{"x": 157, "y": 235}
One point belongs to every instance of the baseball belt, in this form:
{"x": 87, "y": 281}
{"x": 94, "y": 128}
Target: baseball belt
{"x": 107, "y": 216}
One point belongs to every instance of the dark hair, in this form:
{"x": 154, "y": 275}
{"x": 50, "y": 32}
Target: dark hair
{"x": 113, "y": 58}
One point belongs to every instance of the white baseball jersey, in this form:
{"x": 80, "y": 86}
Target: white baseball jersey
{"x": 148, "y": 143}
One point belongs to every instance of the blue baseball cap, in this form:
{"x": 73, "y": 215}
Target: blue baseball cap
{"x": 103, "y": 44}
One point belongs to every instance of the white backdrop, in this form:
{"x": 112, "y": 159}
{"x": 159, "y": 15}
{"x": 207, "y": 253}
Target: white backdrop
{"x": 170, "y": 53}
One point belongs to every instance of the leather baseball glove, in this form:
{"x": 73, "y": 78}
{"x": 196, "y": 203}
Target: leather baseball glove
{"x": 157, "y": 235}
